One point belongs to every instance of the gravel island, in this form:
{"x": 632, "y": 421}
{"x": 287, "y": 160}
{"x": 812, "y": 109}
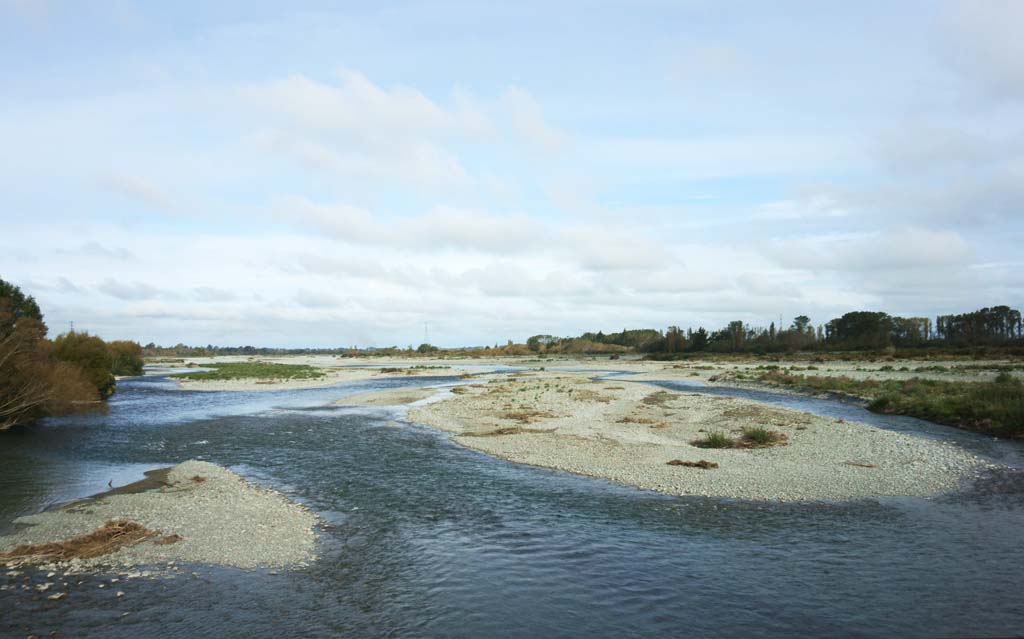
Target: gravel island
{"x": 644, "y": 436}
{"x": 199, "y": 513}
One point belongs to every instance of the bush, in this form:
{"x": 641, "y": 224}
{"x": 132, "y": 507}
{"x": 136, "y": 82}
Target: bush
{"x": 70, "y": 389}
{"x": 39, "y": 377}
{"x": 995, "y": 407}
{"x": 91, "y": 354}
{"x": 32, "y": 385}
{"x": 126, "y": 357}
{"x": 715, "y": 439}
{"x": 757, "y": 436}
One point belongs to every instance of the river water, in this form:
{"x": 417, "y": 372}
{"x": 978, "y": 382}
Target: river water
{"x": 424, "y": 538}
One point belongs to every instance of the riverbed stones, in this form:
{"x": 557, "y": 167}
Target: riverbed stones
{"x": 223, "y": 520}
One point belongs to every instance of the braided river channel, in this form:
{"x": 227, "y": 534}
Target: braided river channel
{"x": 424, "y": 538}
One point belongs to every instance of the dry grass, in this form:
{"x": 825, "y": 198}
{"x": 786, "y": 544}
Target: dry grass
{"x": 508, "y": 430}
{"x": 653, "y": 423}
{"x": 705, "y": 464}
{"x": 108, "y": 538}
{"x": 526, "y": 416}
{"x": 752, "y": 437}
{"x": 659, "y": 398}
{"x": 860, "y": 464}
{"x": 587, "y": 395}
{"x": 169, "y": 539}
{"x": 629, "y": 419}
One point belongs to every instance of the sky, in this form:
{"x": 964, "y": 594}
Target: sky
{"x": 323, "y": 174}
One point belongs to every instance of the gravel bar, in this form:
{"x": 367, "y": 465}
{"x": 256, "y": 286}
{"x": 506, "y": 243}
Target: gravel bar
{"x": 221, "y": 519}
{"x": 629, "y": 432}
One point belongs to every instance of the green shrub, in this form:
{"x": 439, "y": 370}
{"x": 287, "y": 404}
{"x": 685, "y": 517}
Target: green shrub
{"x": 995, "y": 407}
{"x": 758, "y": 436}
{"x": 715, "y": 439}
{"x": 126, "y": 357}
{"x": 90, "y": 353}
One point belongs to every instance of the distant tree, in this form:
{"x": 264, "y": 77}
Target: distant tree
{"x": 800, "y": 323}
{"x": 675, "y": 340}
{"x": 537, "y": 342}
{"x": 427, "y": 348}
{"x": 699, "y": 339}
{"x": 986, "y": 325}
{"x": 860, "y": 329}
{"x": 737, "y": 334}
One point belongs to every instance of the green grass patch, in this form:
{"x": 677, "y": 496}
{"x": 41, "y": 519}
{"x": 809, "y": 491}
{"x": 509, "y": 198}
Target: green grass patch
{"x": 759, "y": 437}
{"x": 254, "y": 370}
{"x": 995, "y": 407}
{"x": 715, "y": 439}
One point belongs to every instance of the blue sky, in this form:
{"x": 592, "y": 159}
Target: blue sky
{"x": 322, "y": 174}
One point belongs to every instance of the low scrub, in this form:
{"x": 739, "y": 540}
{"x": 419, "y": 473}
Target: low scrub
{"x": 715, "y": 439}
{"x": 995, "y": 407}
{"x": 759, "y": 437}
{"x": 752, "y": 437}
{"x": 254, "y": 370}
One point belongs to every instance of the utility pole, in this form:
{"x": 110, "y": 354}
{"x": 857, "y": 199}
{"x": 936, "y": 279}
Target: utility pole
{"x": 71, "y": 324}
{"x": 426, "y": 332}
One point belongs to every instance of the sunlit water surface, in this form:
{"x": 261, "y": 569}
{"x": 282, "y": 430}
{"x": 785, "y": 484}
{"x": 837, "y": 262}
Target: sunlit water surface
{"x": 423, "y": 538}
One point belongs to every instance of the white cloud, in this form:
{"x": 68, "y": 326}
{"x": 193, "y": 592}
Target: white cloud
{"x": 907, "y": 248}
{"x": 708, "y": 157}
{"x": 985, "y": 44}
{"x": 130, "y": 291}
{"x": 811, "y": 206}
{"x": 529, "y": 122}
{"x": 138, "y": 189}
{"x": 360, "y": 108}
{"x": 710, "y": 62}
{"x": 338, "y": 220}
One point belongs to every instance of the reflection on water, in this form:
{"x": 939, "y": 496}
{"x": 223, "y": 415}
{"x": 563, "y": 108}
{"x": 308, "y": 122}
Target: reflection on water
{"x": 427, "y": 539}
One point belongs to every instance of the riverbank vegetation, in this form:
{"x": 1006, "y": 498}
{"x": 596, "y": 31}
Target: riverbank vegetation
{"x": 752, "y": 437}
{"x": 41, "y": 377}
{"x": 253, "y": 370}
{"x": 996, "y": 331}
{"x": 995, "y": 407}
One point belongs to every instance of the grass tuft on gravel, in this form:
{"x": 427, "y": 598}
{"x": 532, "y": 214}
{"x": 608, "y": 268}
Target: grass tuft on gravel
{"x": 715, "y": 439}
{"x": 753, "y": 437}
{"x": 759, "y": 437}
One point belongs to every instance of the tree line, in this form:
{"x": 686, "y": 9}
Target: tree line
{"x": 40, "y": 377}
{"x": 856, "y": 330}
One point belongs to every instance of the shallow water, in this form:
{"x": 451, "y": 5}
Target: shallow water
{"x": 427, "y": 539}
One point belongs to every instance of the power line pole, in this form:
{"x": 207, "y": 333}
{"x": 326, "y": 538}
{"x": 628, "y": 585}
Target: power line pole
{"x": 426, "y": 332}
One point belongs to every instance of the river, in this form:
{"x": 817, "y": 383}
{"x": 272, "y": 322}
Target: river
{"x": 423, "y": 538}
